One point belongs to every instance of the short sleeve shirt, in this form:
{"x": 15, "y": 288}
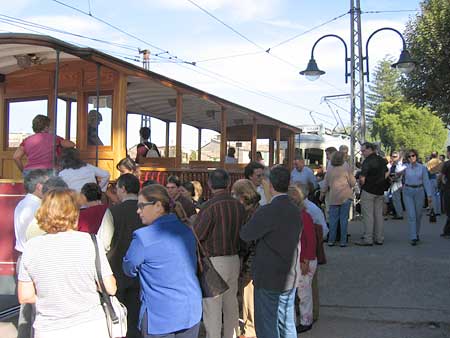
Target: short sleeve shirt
{"x": 62, "y": 268}
{"x": 39, "y": 150}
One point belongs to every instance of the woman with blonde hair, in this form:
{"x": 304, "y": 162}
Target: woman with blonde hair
{"x": 163, "y": 255}
{"x": 245, "y": 192}
{"x": 57, "y": 272}
{"x": 308, "y": 262}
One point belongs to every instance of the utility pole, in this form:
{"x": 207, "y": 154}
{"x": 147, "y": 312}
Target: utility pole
{"x": 357, "y": 118}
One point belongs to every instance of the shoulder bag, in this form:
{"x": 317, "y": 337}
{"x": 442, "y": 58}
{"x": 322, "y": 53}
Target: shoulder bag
{"x": 115, "y": 311}
{"x": 211, "y": 282}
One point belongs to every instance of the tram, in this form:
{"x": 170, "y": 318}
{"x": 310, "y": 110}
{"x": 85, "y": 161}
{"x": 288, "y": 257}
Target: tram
{"x": 66, "y": 82}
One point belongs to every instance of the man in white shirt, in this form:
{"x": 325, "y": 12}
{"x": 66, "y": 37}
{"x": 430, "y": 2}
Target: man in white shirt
{"x": 23, "y": 216}
{"x": 254, "y": 172}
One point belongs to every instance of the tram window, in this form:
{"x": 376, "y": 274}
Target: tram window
{"x": 157, "y": 133}
{"x": 20, "y": 111}
{"x": 100, "y": 117}
{"x": 67, "y": 106}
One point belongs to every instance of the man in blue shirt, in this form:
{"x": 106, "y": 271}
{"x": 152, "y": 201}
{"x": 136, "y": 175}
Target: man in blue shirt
{"x": 303, "y": 175}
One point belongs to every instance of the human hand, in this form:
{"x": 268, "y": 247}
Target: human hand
{"x": 304, "y": 267}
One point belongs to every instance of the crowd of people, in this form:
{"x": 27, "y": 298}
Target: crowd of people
{"x": 263, "y": 234}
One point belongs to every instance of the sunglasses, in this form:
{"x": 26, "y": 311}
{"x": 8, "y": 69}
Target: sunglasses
{"x": 412, "y": 155}
{"x": 141, "y": 206}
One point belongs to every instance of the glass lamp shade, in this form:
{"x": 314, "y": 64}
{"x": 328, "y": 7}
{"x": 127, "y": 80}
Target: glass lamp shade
{"x": 312, "y": 72}
{"x": 405, "y": 63}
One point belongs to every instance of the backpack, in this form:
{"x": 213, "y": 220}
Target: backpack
{"x": 152, "y": 151}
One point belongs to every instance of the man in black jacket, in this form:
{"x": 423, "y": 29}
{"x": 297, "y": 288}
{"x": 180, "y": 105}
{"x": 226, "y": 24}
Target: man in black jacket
{"x": 126, "y": 220}
{"x": 276, "y": 267}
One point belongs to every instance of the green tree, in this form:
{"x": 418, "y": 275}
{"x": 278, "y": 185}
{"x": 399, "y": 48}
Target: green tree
{"x": 428, "y": 37}
{"x": 193, "y": 156}
{"x": 385, "y": 86}
{"x": 401, "y": 126}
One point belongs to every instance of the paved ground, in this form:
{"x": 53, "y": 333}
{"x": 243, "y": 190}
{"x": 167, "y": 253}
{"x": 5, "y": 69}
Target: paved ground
{"x": 389, "y": 291}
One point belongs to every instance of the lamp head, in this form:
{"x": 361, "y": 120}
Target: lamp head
{"x": 312, "y": 72}
{"x": 405, "y": 63}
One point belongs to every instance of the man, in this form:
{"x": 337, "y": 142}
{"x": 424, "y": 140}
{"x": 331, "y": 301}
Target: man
{"x": 372, "y": 180}
{"x": 217, "y": 226}
{"x": 173, "y": 188}
{"x": 328, "y": 153}
{"x": 434, "y": 166}
{"x": 302, "y": 174}
{"x": 276, "y": 266}
{"x": 94, "y": 119}
{"x": 445, "y": 182}
{"x": 126, "y": 221}
{"x": 254, "y": 172}
{"x": 395, "y": 170}
{"x": 23, "y": 216}
{"x": 344, "y": 149}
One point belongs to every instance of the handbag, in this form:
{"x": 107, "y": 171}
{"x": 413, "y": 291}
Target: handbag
{"x": 432, "y": 216}
{"x": 115, "y": 311}
{"x": 211, "y": 282}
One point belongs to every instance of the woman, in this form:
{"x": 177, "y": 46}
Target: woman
{"x": 308, "y": 262}
{"x": 245, "y": 192}
{"x": 146, "y": 149}
{"x": 416, "y": 183}
{"x": 57, "y": 272}
{"x": 38, "y": 148}
{"x": 77, "y": 173}
{"x": 128, "y": 166}
{"x": 95, "y": 217}
{"x": 163, "y": 255}
{"x": 339, "y": 181}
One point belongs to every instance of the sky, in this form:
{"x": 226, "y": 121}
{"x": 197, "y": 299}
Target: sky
{"x": 266, "y": 82}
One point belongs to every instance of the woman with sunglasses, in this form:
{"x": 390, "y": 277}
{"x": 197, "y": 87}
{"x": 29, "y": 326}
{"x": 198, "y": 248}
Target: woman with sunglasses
{"x": 163, "y": 256}
{"x": 416, "y": 183}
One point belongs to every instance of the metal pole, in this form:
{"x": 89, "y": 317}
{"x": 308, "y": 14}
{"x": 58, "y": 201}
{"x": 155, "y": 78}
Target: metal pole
{"x": 97, "y": 90}
{"x": 352, "y": 88}
{"x": 55, "y": 109}
{"x": 361, "y": 75}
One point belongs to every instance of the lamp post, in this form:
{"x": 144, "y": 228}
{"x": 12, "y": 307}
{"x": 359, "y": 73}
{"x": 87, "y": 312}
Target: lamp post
{"x": 312, "y": 72}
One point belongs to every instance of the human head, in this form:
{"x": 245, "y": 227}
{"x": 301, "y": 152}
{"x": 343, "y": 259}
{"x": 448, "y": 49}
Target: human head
{"x": 296, "y": 195}
{"x": 58, "y": 212}
{"x": 92, "y": 192}
{"x": 54, "y": 183}
{"x": 412, "y": 155}
{"x": 41, "y": 123}
{"x": 94, "y": 118}
{"x": 144, "y": 132}
{"x": 343, "y": 148}
{"x": 434, "y": 154}
{"x": 279, "y": 179}
{"x": 198, "y": 190}
{"x": 149, "y": 182}
{"x": 159, "y": 200}
{"x": 127, "y": 166}
{"x": 259, "y": 156}
{"x": 254, "y": 171}
{"x": 304, "y": 188}
{"x": 245, "y": 191}
{"x": 34, "y": 181}
{"x": 187, "y": 189}
{"x": 395, "y": 156}
{"x": 231, "y": 151}
{"x": 368, "y": 148}
{"x": 218, "y": 179}
{"x": 330, "y": 151}
{"x": 71, "y": 159}
{"x": 127, "y": 184}
{"x": 299, "y": 163}
{"x": 173, "y": 185}
{"x": 337, "y": 159}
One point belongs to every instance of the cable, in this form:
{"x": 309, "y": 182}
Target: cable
{"x": 228, "y": 57}
{"x": 393, "y": 11}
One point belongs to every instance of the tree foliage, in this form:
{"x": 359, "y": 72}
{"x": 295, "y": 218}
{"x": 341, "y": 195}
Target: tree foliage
{"x": 428, "y": 37}
{"x": 402, "y": 126}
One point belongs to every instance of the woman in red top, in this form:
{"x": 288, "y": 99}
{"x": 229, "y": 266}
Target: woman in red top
{"x": 308, "y": 262}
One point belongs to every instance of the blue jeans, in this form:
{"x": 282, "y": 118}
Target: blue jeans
{"x": 275, "y": 313}
{"x": 339, "y": 214}
{"x": 413, "y": 199}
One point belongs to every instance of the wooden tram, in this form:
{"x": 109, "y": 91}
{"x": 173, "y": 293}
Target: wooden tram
{"x": 71, "y": 80}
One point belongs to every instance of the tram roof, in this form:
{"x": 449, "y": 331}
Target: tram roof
{"x": 147, "y": 92}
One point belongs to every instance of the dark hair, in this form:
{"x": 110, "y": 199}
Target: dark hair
{"x": 70, "y": 159}
{"x": 54, "y": 183}
{"x": 128, "y": 163}
{"x": 144, "y": 132}
{"x": 279, "y": 178}
{"x": 330, "y": 150}
{"x": 33, "y": 178}
{"x": 219, "y": 179}
{"x": 251, "y": 167}
{"x": 174, "y": 179}
{"x": 129, "y": 182}
{"x": 189, "y": 187}
{"x": 414, "y": 151}
{"x": 40, "y": 122}
{"x": 231, "y": 151}
{"x": 434, "y": 154}
{"x": 92, "y": 192}
{"x": 157, "y": 192}
{"x": 337, "y": 159}
{"x": 149, "y": 182}
{"x": 369, "y": 145}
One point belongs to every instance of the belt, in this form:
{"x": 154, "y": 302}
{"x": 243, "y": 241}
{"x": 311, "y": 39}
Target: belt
{"x": 414, "y": 186}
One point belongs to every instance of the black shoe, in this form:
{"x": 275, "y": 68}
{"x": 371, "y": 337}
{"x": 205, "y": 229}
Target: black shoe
{"x": 303, "y": 328}
{"x": 378, "y": 243}
{"x": 397, "y": 217}
{"x": 414, "y": 242}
